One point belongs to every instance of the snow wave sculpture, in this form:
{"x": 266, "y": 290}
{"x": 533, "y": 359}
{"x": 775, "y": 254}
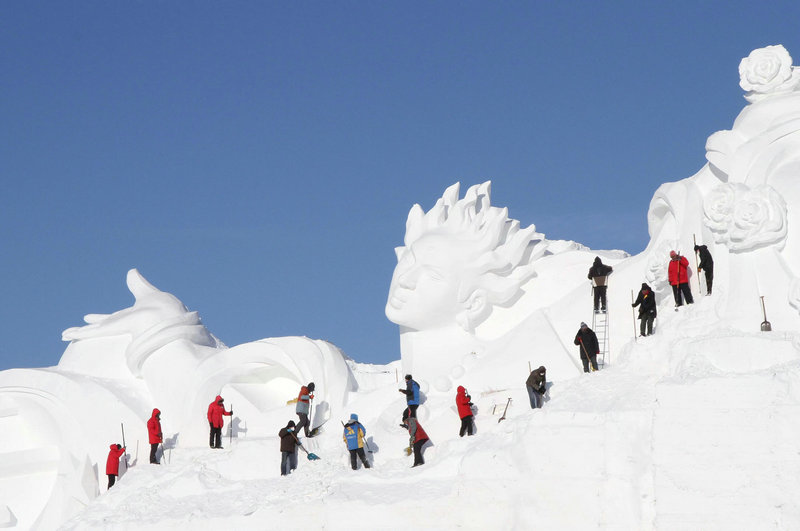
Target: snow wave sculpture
{"x": 744, "y": 201}
{"x": 120, "y": 366}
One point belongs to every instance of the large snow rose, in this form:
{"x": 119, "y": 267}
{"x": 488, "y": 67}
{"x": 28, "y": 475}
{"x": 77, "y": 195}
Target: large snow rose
{"x": 767, "y": 71}
{"x": 745, "y": 218}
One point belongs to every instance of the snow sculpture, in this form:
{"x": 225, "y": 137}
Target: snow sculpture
{"x": 744, "y": 201}
{"x": 462, "y": 260}
{"x": 118, "y": 367}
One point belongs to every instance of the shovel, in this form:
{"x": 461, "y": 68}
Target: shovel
{"x": 504, "y": 412}
{"x": 765, "y": 325}
{"x": 311, "y": 455}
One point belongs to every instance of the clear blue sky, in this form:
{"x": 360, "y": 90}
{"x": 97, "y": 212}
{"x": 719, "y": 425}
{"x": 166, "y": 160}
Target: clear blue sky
{"x": 258, "y": 159}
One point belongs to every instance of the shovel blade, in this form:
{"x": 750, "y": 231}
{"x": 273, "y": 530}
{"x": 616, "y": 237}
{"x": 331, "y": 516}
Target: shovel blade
{"x": 312, "y": 456}
{"x": 766, "y": 326}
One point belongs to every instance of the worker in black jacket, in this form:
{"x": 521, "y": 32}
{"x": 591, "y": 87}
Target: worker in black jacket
{"x": 647, "y": 310}
{"x": 706, "y": 264}
{"x": 598, "y": 274}
{"x": 588, "y": 345}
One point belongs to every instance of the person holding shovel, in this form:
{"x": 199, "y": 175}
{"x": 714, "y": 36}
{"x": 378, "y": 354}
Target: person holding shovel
{"x": 588, "y": 347}
{"x": 416, "y": 440}
{"x": 288, "y": 448}
{"x": 303, "y": 406}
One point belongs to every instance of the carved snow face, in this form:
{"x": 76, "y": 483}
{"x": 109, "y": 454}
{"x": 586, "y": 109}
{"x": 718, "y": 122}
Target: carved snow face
{"x": 424, "y": 293}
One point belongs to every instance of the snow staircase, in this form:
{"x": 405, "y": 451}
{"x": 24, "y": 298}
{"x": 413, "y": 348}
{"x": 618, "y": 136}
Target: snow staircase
{"x": 600, "y": 327}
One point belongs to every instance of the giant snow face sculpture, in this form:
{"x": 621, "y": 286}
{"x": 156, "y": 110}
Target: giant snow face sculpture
{"x": 461, "y": 259}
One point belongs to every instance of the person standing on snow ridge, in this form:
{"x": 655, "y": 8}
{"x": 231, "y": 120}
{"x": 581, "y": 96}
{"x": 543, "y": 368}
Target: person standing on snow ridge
{"x": 112, "y": 463}
{"x": 353, "y": 435}
{"x": 303, "y": 406}
{"x": 536, "y": 384}
{"x": 706, "y": 264}
{"x": 598, "y": 274}
{"x": 647, "y": 311}
{"x": 679, "y": 278}
{"x": 412, "y": 397}
{"x": 416, "y": 440}
{"x": 588, "y": 345}
{"x": 216, "y": 411}
{"x": 288, "y": 449}
{"x": 464, "y": 406}
{"x": 155, "y": 435}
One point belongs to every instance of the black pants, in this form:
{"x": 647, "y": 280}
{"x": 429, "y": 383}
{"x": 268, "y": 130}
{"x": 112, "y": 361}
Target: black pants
{"x": 410, "y": 411}
{"x": 646, "y": 324}
{"x": 585, "y": 361}
{"x": 302, "y": 424}
{"x": 466, "y": 426}
{"x": 215, "y": 437}
{"x": 685, "y": 290}
{"x": 111, "y": 479}
{"x": 600, "y": 297}
{"x": 360, "y": 453}
{"x": 153, "y": 450}
{"x": 709, "y": 278}
{"x": 418, "y": 460}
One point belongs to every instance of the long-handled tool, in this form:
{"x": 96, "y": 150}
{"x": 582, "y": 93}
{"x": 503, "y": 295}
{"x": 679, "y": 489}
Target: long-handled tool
{"x": 766, "y": 326}
{"x": 697, "y": 265}
{"x": 588, "y": 359}
{"x": 311, "y": 455}
{"x": 230, "y": 436}
{"x": 633, "y": 313}
{"x": 504, "y": 411}
{"x": 127, "y": 466}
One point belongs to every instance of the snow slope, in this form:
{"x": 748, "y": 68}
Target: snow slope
{"x": 695, "y": 427}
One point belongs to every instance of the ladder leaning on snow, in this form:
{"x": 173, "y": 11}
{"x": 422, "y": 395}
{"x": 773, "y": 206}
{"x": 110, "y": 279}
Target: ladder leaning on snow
{"x": 600, "y": 327}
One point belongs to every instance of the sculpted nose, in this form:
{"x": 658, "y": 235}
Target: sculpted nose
{"x": 407, "y": 280}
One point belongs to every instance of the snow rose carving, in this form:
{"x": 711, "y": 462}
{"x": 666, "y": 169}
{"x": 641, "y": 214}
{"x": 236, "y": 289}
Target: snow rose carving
{"x": 745, "y": 218}
{"x": 767, "y": 71}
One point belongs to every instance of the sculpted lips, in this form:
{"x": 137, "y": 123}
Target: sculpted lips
{"x": 396, "y": 298}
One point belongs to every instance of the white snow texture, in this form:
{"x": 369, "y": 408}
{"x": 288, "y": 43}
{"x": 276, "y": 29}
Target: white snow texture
{"x": 694, "y": 427}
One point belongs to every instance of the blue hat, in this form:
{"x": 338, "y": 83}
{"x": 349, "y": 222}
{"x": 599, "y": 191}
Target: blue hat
{"x": 353, "y": 416}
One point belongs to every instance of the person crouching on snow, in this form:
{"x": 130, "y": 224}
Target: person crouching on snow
{"x": 536, "y": 384}
{"x": 464, "y": 406}
{"x": 288, "y": 448}
{"x": 417, "y": 439}
{"x": 353, "y": 435}
{"x": 112, "y": 463}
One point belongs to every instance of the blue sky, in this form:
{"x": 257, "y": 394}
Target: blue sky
{"x": 258, "y": 159}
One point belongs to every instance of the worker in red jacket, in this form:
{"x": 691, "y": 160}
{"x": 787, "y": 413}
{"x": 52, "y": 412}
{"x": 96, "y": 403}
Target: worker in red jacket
{"x": 112, "y": 463}
{"x": 155, "y": 435}
{"x": 464, "y": 406}
{"x": 679, "y": 278}
{"x": 417, "y": 439}
{"x": 216, "y": 410}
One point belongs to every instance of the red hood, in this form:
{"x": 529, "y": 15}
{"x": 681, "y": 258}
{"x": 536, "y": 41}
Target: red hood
{"x": 218, "y": 399}
{"x": 156, "y": 412}
{"x": 461, "y": 389}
